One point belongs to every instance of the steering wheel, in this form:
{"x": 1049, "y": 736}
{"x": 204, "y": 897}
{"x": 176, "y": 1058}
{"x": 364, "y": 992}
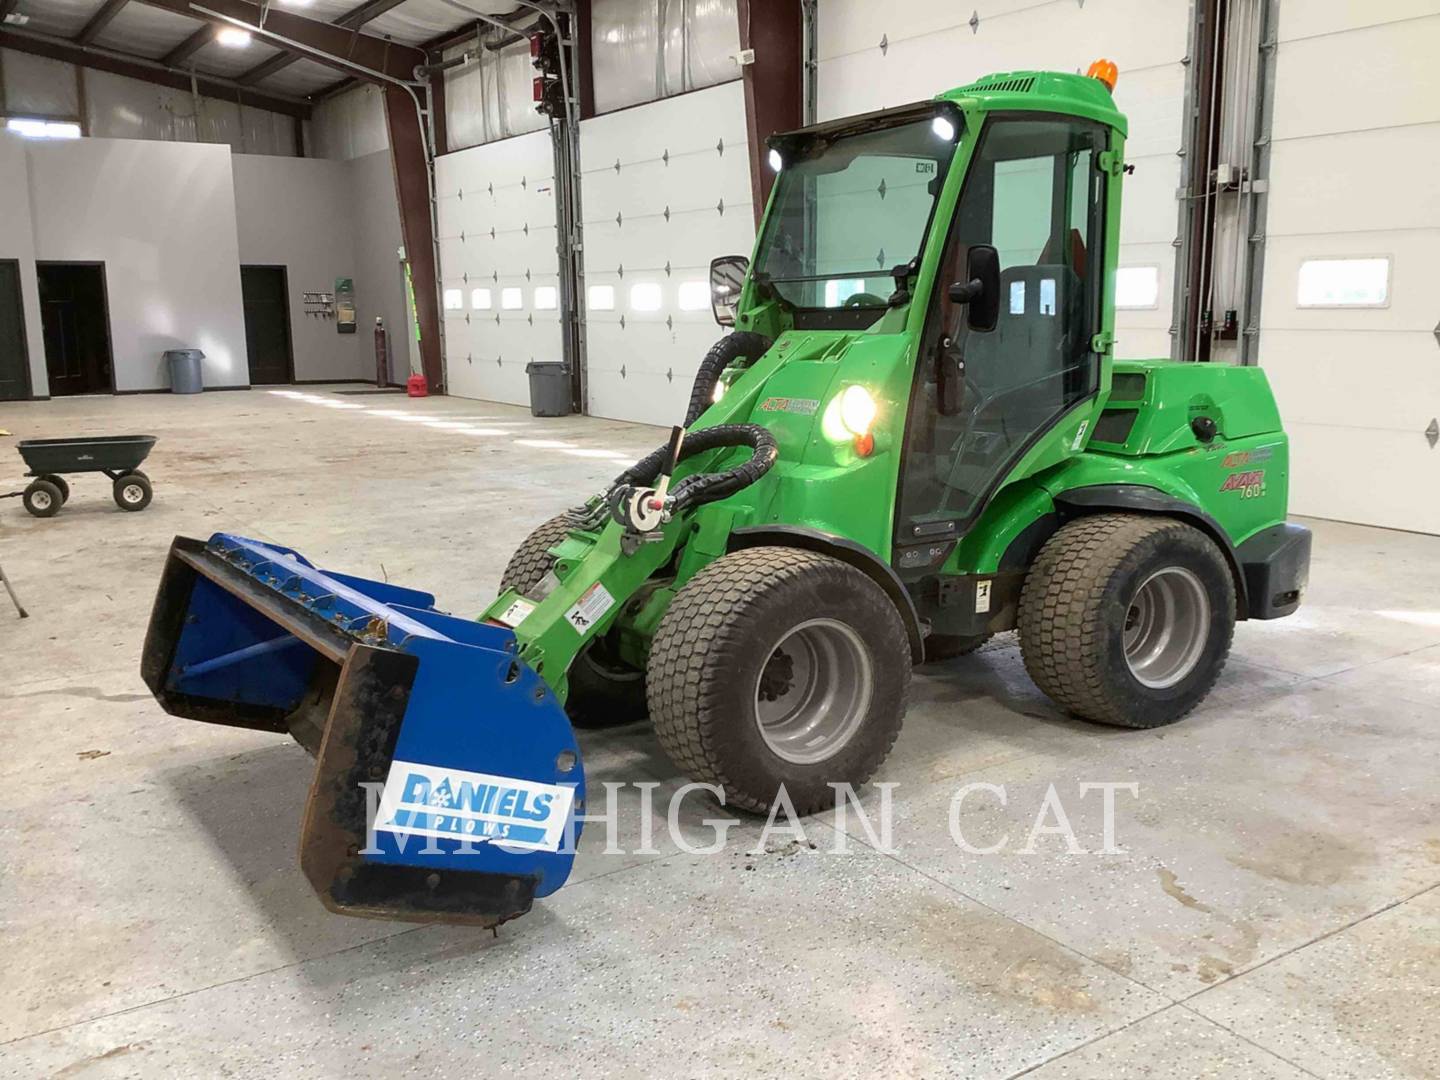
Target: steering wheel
{"x": 863, "y": 299}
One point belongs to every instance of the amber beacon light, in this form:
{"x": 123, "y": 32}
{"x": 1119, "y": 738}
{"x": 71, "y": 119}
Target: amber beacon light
{"x": 1106, "y": 72}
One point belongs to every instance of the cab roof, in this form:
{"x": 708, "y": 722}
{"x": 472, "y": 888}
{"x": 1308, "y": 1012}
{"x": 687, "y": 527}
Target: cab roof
{"x": 1045, "y": 91}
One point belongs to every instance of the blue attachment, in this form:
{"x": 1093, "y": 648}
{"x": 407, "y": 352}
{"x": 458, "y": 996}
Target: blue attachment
{"x": 473, "y": 708}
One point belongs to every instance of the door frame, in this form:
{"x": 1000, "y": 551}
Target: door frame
{"x": 289, "y": 326}
{"x": 104, "y": 303}
{"x": 24, "y": 335}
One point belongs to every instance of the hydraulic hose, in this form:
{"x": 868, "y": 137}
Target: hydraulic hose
{"x": 708, "y": 487}
{"x": 722, "y": 354}
{"x": 705, "y": 487}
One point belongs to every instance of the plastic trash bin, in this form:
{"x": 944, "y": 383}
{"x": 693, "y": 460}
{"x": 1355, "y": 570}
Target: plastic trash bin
{"x": 185, "y": 375}
{"x": 549, "y": 388}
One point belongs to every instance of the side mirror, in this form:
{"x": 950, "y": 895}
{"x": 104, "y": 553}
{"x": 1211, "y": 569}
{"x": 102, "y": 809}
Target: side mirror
{"x": 727, "y": 278}
{"x": 982, "y": 291}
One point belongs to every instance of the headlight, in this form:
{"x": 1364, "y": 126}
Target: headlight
{"x": 776, "y": 161}
{"x": 857, "y": 410}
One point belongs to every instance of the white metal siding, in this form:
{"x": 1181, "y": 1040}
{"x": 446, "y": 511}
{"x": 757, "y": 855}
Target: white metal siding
{"x": 496, "y": 210}
{"x": 1355, "y": 171}
{"x": 665, "y": 188}
{"x": 873, "y": 55}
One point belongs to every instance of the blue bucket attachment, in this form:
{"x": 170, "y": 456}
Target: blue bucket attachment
{"x": 447, "y": 777}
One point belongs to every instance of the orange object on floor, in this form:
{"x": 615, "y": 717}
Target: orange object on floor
{"x": 417, "y": 386}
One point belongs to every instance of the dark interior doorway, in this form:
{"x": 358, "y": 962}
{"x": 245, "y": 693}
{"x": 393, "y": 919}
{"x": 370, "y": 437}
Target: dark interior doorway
{"x": 14, "y": 363}
{"x": 75, "y": 320}
{"x": 267, "y": 325}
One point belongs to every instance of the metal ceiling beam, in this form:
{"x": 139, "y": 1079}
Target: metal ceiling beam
{"x": 324, "y": 43}
{"x": 146, "y": 71}
{"x": 98, "y": 22}
{"x": 351, "y": 20}
{"x": 189, "y": 47}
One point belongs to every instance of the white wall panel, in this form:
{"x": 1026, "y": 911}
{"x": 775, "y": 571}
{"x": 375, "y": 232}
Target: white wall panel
{"x": 496, "y": 213}
{"x": 666, "y": 188}
{"x": 875, "y": 55}
{"x": 1355, "y": 175}
{"x": 491, "y": 97}
{"x": 161, "y": 216}
{"x": 648, "y": 49}
{"x": 349, "y": 125}
{"x": 121, "y": 108}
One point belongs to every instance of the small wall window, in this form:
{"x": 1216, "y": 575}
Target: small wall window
{"x": 546, "y": 298}
{"x": 480, "y": 299}
{"x": 512, "y": 299}
{"x": 694, "y": 296}
{"x": 645, "y": 296}
{"x": 1328, "y": 283}
{"x": 601, "y": 298}
{"x": 1137, "y": 287}
{"x": 454, "y": 299}
{"x": 43, "y": 129}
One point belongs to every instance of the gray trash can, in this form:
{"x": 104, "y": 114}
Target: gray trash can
{"x": 185, "y": 375}
{"x": 549, "y": 388}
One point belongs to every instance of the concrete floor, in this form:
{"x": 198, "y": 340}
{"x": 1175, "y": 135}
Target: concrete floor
{"x": 1275, "y": 914}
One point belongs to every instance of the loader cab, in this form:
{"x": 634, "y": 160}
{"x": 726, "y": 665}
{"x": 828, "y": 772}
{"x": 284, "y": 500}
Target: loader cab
{"x": 1024, "y": 251}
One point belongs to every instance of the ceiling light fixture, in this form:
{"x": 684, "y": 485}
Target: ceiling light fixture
{"x": 233, "y": 37}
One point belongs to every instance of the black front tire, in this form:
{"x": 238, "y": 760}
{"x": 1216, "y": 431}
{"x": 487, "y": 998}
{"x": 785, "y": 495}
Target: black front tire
{"x": 604, "y": 691}
{"x": 532, "y": 559}
{"x": 1079, "y": 601}
{"x": 949, "y": 646}
{"x": 43, "y": 499}
{"x": 133, "y": 492}
{"x": 59, "y": 482}
{"x": 712, "y": 655}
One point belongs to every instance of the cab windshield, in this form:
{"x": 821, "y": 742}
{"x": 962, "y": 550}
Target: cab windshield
{"x": 849, "y": 210}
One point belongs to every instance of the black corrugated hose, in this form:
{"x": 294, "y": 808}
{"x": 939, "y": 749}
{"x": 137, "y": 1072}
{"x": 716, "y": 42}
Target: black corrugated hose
{"x": 710, "y": 487}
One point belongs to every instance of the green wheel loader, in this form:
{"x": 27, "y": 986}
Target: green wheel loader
{"x": 914, "y": 437}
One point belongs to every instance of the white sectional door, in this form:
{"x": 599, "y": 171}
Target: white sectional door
{"x": 499, "y": 265}
{"x": 1355, "y": 179}
{"x": 874, "y": 55}
{"x": 665, "y": 188}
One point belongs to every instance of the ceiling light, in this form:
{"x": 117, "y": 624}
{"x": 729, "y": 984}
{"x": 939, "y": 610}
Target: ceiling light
{"x": 233, "y": 37}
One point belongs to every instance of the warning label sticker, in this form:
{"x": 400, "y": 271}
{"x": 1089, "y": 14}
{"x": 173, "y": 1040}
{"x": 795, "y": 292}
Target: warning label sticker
{"x": 593, "y": 604}
{"x": 982, "y": 597}
{"x": 517, "y": 612}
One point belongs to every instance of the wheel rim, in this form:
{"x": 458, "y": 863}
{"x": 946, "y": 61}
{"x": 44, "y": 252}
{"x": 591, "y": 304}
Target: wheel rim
{"x": 1166, "y": 627}
{"x": 814, "y": 691}
{"x": 133, "y": 494}
{"x": 41, "y": 500}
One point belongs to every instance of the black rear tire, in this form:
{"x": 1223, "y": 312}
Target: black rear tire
{"x": 604, "y": 691}
{"x": 43, "y": 499}
{"x": 949, "y": 646}
{"x": 59, "y": 482}
{"x": 1079, "y": 605}
{"x": 133, "y": 492}
{"x": 734, "y": 637}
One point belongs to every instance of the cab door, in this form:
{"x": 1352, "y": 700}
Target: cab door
{"x": 1035, "y": 192}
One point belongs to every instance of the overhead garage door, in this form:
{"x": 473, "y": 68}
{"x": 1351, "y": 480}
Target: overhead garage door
{"x": 665, "y": 188}
{"x": 874, "y": 55}
{"x": 498, "y": 265}
{"x": 1350, "y": 307}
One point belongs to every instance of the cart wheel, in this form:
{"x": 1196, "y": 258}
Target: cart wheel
{"x": 60, "y": 483}
{"x": 43, "y": 499}
{"x": 132, "y": 492}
